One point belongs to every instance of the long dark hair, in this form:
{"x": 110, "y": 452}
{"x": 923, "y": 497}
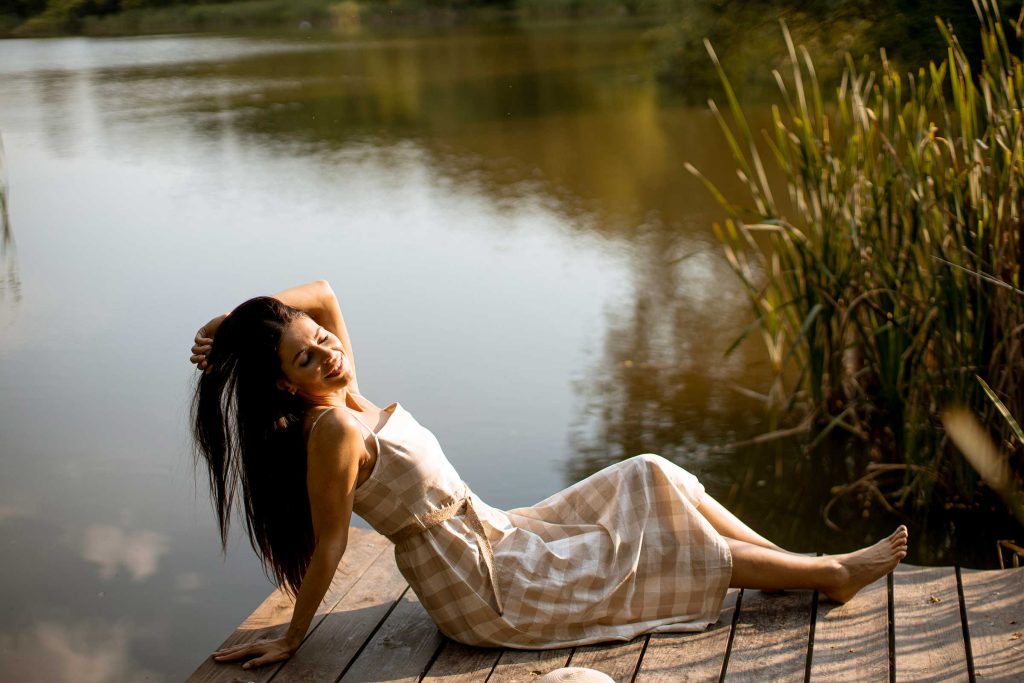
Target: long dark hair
{"x": 248, "y": 430}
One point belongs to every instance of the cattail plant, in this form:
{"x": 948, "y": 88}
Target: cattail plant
{"x": 885, "y": 270}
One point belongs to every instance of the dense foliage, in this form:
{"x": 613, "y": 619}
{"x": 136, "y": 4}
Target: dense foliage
{"x": 748, "y": 43}
{"x": 885, "y": 270}
{"x": 736, "y": 26}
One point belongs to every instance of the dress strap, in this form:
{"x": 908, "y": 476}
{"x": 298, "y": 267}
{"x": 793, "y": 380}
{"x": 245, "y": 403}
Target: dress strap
{"x": 327, "y": 410}
{"x": 322, "y": 413}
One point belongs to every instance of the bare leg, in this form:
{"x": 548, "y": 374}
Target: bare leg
{"x": 837, "y": 576}
{"x": 730, "y": 526}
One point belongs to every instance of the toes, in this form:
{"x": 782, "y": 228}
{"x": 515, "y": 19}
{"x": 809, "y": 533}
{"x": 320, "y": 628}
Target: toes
{"x": 899, "y": 537}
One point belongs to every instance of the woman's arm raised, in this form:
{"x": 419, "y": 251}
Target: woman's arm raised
{"x": 319, "y": 302}
{"x": 316, "y": 299}
{"x": 335, "y": 450}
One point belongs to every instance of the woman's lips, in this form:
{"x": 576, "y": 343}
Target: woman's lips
{"x": 335, "y": 372}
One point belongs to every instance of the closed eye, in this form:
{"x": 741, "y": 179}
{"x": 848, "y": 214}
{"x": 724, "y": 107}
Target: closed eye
{"x": 309, "y": 356}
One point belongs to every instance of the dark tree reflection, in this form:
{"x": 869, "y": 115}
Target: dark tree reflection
{"x": 9, "y": 280}
{"x": 661, "y": 384}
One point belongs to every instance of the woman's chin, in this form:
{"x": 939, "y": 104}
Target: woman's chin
{"x": 338, "y": 382}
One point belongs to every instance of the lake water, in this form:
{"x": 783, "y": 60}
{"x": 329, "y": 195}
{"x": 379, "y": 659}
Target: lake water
{"x": 522, "y": 260}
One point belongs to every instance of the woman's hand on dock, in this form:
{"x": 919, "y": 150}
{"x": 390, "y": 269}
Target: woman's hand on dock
{"x": 204, "y": 342}
{"x": 256, "y": 654}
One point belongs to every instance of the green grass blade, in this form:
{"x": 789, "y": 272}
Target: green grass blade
{"x": 1003, "y": 410}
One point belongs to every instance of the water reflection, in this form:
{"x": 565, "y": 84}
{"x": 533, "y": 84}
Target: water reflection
{"x": 9, "y": 512}
{"x": 574, "y": 119}
{"x": 9, "y": 280}
{"x": 111, "y": 548}
{"x": 186, "y": 584}
{"x": 66, "y": 650}
{"x": 663, "y": 383}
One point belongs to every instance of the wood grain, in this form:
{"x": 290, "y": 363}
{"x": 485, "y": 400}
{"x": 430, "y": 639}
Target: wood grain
{"x": 402, "y": 647}
{"x": 370, "y": 615}
{"x": 926, "y": 619}
{"x": 689, "y": 657}
{"x": 460, "y": 663}
{"x": 523, "y": 666}
{"x": 994, "y": 601}
{"x": 771, "y": 636}
{"x": 851, "y": 641}
{"x": 618, "y": 660}
{"x": 329, "y": 649}
{"x": 270, "y": 619}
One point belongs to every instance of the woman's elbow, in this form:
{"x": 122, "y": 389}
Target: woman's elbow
{"x": 332, "y": 548}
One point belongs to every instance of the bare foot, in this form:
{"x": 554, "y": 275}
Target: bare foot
{"x": 859, "y": 568}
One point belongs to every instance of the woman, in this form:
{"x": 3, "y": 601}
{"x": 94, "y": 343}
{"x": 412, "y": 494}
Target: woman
{"x": 634, "y": 548}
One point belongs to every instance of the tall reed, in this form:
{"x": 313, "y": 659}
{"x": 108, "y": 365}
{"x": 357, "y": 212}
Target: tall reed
{"x": 886, "y": 278}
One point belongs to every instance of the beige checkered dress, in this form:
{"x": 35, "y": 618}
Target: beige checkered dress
{"x": 621, "y": 553}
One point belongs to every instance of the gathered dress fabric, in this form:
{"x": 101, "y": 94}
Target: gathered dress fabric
{"x": 620, "y": 553}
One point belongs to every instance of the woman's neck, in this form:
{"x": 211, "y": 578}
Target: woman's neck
{"x": 339, "y": 399}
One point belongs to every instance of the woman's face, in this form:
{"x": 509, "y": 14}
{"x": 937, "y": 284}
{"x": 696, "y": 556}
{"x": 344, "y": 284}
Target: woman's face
{"x": 312, "y": 359}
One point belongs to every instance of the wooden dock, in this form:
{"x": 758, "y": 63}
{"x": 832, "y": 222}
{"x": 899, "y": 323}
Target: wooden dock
{"x": 918, "y": 624}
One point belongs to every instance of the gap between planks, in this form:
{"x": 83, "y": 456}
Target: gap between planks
{"x": 371, "y": 627}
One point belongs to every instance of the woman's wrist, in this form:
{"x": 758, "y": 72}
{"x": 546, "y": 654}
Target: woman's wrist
{"x": 215, "y": 323}
{"x": 292, "y": 641}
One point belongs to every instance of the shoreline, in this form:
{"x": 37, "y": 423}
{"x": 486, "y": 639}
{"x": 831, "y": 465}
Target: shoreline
{"x": 313, "y": 17}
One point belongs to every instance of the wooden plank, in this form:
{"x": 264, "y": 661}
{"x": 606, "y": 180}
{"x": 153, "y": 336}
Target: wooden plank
{"x": 771, "y": 636}
{"x": 329, "y": 649}
{"x": 994, "y": 602}
{"x": 689, "y": 657}
{"x": 851, "y": 641}
{"x": 402, "y": 647}
{"x": 270, "y": 619}
{"x": 460, "y": 663}
{"x": 926, "y": 619}
{"x": 523, "y": 666}
{"x": 618, "y": 660}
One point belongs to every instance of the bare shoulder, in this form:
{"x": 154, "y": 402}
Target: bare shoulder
{"x": 331, "y": 429}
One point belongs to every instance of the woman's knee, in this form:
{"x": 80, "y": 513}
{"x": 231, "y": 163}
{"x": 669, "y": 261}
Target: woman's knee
{"x": 658, "y": 468}
{"x": 652, "y": 461}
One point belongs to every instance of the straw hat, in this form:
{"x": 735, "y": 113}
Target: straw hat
{"x": 574, "y": 674}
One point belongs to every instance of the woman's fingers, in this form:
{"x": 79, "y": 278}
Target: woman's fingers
{"x": 258, "y": 654}
{"x": 236, "y": 648}
{"x": 230, "y": 654}
{"x": 260, "y": 661}
{"x": 201, "y": 350}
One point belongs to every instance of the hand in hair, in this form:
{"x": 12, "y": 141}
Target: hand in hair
{"x": 256, "y": 654}
{"x": 204, "y": 343}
